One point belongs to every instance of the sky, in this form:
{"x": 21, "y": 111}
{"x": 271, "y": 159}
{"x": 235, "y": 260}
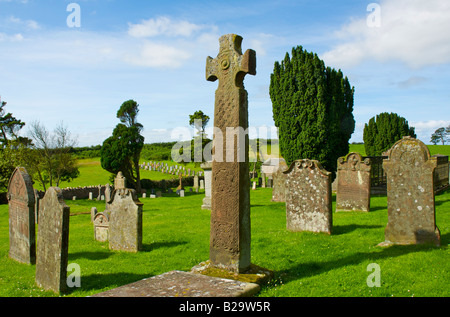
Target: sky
{"x": 76, "y": 62}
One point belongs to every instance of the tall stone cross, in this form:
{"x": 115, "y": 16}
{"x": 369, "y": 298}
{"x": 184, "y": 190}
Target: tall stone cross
{"x": 230, "y": 185}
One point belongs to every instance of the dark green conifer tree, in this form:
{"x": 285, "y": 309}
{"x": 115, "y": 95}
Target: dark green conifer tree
{"x": 312, "y": 109}
{"x": 383, "y": 130}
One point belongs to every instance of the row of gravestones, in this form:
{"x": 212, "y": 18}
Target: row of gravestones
{"x": 306, "y": 188}
{"x": 50, "y": 251}
{"x": 165, "y": 168}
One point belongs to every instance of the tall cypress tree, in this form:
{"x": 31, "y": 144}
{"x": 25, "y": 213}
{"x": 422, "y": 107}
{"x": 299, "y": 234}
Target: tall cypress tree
{"x": 312, "y": 109}
{"x": 383, "y": 130}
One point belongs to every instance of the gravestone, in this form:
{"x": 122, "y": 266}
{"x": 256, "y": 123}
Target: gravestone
{"x": 107, "y": 192}
{"x": 207, "y": 167}
{"x": 119, "y": 181}
{"x": 308, "y": 197}
{"x": 410, "y": 193}
{"x": 279, "y": 182}
{"x": 353, "y": 183}
{"x": 101, "y": 226}
{"x": 125, "y": 221}
{"x": 53, "y": 242}
{"x": 195, "y": 181}
{"x": 202, "y": 184}
{"x": 230, "y": 190}
{"x": 263, "y": 180}
{"x": 94, "y": 211}
{"x": 22, "y": 234}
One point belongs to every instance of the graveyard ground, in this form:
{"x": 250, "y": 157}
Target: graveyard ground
{"x": 176, "y": 237}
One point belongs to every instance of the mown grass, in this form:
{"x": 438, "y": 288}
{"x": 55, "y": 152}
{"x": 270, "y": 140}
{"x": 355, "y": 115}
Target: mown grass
{"x": 176, "y": 237}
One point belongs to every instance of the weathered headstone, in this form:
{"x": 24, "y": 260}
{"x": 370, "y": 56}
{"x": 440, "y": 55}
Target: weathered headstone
{"x": 196, "y": 181}
{"x": 207, "y": 167}
{"x": 94, "y": 211}
{"x": 107, "y": 192}
{"x": 202, "y": 184}
{"x": 22, "y": 234}
{"x": 353, "y": 183}
{"x": 125, "y": 221}
{"x": 101, "y": 226}
{"x": 279, "y": 182}
{"x": 230, "y": 192}
{"x": 53, "y": 242}
{"x": 410, "y": 192}
{"x": 263, "y": 180}
{"x": 308, "y": 197}
{"x": 119, "y": 181}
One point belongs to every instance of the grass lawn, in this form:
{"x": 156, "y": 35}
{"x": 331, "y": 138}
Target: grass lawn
{"x": 176, "y": 237}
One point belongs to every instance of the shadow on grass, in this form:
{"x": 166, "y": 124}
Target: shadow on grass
{"x": 95, "y": 255}
{"x": 309, "y": 269}
{"x": 338, "y": 230}
{"x": 102, "y": 281}
{"x": 163, "y": 244}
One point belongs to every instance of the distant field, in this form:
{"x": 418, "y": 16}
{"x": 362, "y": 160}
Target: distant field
{"x": 434, "y": 149}
{"x": 91, "y": 172}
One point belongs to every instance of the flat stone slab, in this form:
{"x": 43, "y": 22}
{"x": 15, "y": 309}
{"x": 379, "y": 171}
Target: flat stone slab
{"x": 183, "y": 284}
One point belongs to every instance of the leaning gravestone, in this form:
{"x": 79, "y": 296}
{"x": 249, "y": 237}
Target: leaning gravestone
{"x": 230, "y": 188}
{"x": 353, "y": 183}
{"x": 22, "y": 235}
{"x": 410, "y": 192}
{"x": 125, "y": 219}
{"x": 53, "y": 242}
{"x": 279, "y": 182}
{"x": 308, "y": 197}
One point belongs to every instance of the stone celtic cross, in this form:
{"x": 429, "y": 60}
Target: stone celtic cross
{"x": 230, "y": 184}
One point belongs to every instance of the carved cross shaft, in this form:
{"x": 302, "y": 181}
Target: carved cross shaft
{"x": 230, "y": 183}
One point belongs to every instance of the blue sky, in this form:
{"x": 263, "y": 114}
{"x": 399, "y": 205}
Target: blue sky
{"x": 397, "y": 57}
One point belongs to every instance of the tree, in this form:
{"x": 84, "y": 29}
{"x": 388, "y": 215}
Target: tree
{"x": 383, "y": 130}
{"x": 199, "y": 120}
{"x": 49, "y": 161}
{"x": 312, "y": 108}
{"x": 121, "y": 152}
{"x": 9, "y": 127}
{"x": 12, "y": 146}
{"x": 440, "y": 135}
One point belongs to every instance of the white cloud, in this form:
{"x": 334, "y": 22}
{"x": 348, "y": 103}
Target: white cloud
{"x": 411, "y": 31}
{"x": 424, "y": 129}
{"x": 28, "y": 24}
{"x": 163, "y": 26}
{"x": 158, "y": 55}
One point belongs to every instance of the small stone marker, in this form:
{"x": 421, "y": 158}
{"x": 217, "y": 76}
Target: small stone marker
{"x": 184, "y": 284}
{"x": 279, "y": 182}
{"x": 308, "y": 197}
{"x": 207, "y": 167}
{"x": 120, "y": 181}
{"x": 353, "y": 183}
{"x": 22, "y": 234}
{"x": 94, "y": 211}
{"x": 107, "y": 193}
{"x": 53, "y": 242}
{"x": 230, "y": 192}
{"x": 410, "y": 192}
{"x": 101, "y": 226}
{"x": 125, "y": 221}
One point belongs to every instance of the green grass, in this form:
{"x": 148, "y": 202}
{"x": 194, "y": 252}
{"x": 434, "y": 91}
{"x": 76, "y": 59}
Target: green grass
{"x": 434, "y": 149}
{"x": 176, "y": 237}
